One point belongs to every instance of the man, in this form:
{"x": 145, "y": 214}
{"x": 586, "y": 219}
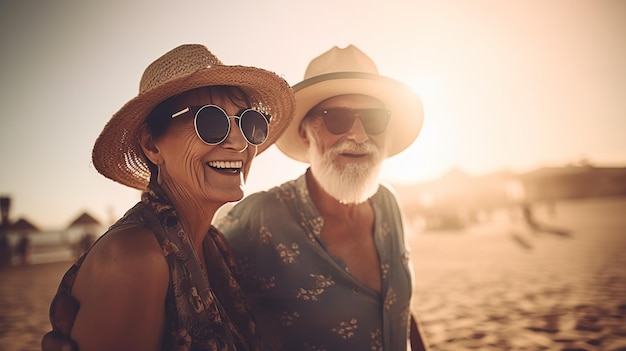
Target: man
{"x": 323, "y": 256}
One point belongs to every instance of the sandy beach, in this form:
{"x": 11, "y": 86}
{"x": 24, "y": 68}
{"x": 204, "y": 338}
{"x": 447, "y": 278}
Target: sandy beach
{"x": 25, "y": 295}
{"x": 501, "y": 286}
{"x": 494, "y": 286}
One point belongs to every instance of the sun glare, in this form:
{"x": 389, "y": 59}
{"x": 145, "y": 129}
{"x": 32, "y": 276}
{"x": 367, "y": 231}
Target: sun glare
{"x": 427, "y": 157}
{"x": 426, "y": 87}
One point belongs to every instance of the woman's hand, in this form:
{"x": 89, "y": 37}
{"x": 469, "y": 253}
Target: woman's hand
{"x": 62, "y": 316}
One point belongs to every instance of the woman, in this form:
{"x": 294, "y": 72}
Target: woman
{"x": 187, "y": 140}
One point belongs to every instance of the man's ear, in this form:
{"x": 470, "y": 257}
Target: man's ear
{"x": 302, "y": 133}
{"x": 148, "y": 147}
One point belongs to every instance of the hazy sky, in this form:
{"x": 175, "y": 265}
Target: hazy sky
{"x": 505, "y": 84}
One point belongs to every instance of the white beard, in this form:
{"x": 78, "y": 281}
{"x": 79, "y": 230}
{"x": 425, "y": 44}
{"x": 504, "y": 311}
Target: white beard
{"x": 349, "y": 183}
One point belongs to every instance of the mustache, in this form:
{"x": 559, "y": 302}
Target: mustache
{"x": 351, "y": 146}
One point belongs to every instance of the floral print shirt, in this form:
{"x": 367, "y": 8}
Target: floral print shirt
{"x": 303, "y": 295}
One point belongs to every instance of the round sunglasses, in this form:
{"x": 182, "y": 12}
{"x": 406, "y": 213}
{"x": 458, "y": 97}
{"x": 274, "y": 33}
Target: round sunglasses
{"x": 212, "y": 124}
{"x": 339, "y": 120}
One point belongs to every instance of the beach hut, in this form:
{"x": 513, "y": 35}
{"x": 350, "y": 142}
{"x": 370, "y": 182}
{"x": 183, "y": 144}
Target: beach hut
{"x": 84, "y": 220}
{"x": 85, "y": 225}
{"x": 23, "y": 228}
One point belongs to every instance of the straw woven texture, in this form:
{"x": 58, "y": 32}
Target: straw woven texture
{"x": 117, "y": 154}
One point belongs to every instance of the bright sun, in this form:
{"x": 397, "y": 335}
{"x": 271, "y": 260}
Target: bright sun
{"x": 426, "y": 157}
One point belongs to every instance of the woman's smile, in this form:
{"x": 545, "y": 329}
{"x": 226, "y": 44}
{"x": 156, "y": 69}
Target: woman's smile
{"x": 227, "y": 167}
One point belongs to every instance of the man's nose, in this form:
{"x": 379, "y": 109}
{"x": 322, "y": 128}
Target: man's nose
{"x": 357, "y": 132}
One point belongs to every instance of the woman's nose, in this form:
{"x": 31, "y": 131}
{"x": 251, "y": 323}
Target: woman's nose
{"x": 235, "y": 139}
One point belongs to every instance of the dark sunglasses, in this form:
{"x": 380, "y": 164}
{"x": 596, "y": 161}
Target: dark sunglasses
{"x": 212, "y": 124}
{"x": 339, "y": 120}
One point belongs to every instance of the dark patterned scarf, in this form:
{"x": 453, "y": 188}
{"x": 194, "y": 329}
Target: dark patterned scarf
{"x": 235, "y": 316}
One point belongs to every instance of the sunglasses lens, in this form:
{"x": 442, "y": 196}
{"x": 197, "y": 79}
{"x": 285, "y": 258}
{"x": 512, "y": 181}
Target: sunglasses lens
{"x": 254, "y": 127}
{"x": 374, "y": 120}
{"x": 212, "y": 124}
{"x": 338, "y": 120}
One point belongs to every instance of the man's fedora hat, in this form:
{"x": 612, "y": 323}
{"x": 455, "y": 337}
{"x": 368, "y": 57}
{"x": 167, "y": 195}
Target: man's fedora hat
{"x": 349, "y": 71}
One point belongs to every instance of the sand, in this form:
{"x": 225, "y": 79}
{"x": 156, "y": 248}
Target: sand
{"x": 500, "y": 286}
{"x": 25, "y": 295}
{"x": 494, "y": 286}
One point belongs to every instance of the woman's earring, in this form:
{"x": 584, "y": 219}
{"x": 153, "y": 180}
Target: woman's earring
{"x": 159, "y": 180}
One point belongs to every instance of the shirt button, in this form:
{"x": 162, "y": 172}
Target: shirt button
{"x": 356, "y": 290}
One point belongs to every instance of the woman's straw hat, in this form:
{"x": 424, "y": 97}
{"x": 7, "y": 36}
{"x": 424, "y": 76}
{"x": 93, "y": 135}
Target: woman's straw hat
{"x": 117, "y": 154}
{"x": 350, "y": 71}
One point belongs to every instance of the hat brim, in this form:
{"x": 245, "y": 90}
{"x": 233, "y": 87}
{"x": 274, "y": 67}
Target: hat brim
{"x": 117, "y": 154}
{"x": 407, "y": 112}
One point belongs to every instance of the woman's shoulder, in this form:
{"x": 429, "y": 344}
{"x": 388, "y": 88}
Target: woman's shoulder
{"x": 124, "y": 274}
{"x": 128, "y": 254}
{"x": 129, "y": 244}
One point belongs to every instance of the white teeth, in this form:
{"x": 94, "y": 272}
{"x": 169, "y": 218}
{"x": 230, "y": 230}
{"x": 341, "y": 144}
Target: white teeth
{"x": 226, "y": 164}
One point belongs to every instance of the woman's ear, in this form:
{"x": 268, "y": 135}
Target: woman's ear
{"x": 149, "y": 147}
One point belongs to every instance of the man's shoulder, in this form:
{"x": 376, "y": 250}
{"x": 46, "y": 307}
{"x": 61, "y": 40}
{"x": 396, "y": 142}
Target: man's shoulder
{"x": 387, "y": 192}
{"x": 265, "y": 198}
{"x": 386, "y": 198}
{"x": 258, "y": 198}
{"x": 253, "y": 211}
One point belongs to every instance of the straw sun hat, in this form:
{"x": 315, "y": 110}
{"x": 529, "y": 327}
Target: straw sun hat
{"x": 117, "y": 154}
{"x": 350, "y": 71}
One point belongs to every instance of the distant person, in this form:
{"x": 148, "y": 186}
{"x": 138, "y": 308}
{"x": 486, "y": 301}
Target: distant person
{"x": 162, "y": 277}
{"x": 535, "y": 226}
{"x": 5, "y": 251}
{"x": 85, "y": 243}
{"x": 324, "y": 256}
{"x": 529, "y": 217}
{"x": 23, "y": 249}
